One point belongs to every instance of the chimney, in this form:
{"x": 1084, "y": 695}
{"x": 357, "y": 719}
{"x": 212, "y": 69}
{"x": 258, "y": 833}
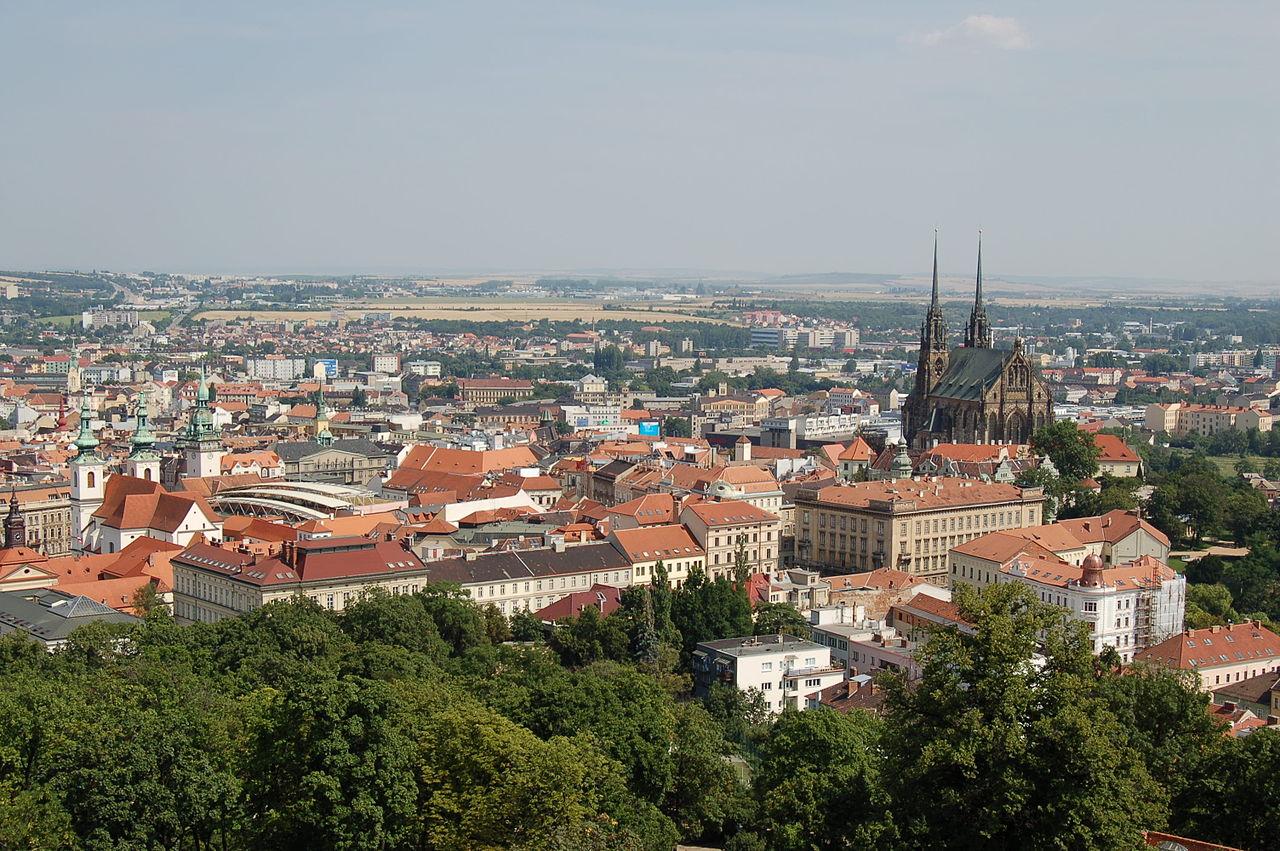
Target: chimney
{"x": 1216, "y": 628}
{"x": 469, "y": 555}
{"x": 559, "y": 545}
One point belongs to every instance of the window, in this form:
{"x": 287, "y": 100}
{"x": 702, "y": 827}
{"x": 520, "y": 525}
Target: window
{"x": 766, "y": 686}
{"x": 766, "y": 666}
{"x": 810, "y": 661}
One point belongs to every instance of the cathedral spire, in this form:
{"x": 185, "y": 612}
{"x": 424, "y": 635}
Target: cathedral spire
{"x": 933, "y": 303}
{"x": 978, "y": 334}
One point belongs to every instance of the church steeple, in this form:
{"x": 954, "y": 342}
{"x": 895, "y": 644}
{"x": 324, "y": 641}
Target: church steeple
{"x": 933, "y": 335}
{"x": 978, "y": 334}
{"x": 15, "y": 527}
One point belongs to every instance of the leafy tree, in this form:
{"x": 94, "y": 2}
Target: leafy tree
{"x": 1208, "y": 605}
{"x": 818, "y": 783}
{"x": 1164, "y": 716}
{"x": 1201, "y": 498}
{"x": 704, "y": 795}
{"x": 676, "y": 427}
{"x": 402, "y": 621}
{"x": 780, "y": 619}
{"x": 589, "y": 638}
{"x": 705, "y": 610}
{"x": 1074, "y": 452}
{"x": 1233, "y": 797}
{"x": 1012, "y": 752}
{"x": 146, "y": 600}
{"x": 525, "y": 626}
{"x": 330, "y": 766}
{"x": 741, "y": 715}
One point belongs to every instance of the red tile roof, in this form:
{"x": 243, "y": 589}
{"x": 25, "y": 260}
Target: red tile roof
{"x": 650, "y": 543}
{"x": 730, "y": 513}
{"x": 1215, "y": 647}
{"x": 604, "y": 598}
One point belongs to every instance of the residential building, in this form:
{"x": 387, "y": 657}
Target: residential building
{"x": 723, "y": 529}
{"x": 907, "y": 524}
{"x": 672, "y": 545}
{"x": 275, "y": 368}
{"x": 387, "y": 364}
{"x": 1127, "y": 606}
{"x": 788, "y": 672}
{"x": 1117, "y": 458}
{"x": 1219, "y": 654}
{"x": 1184, "y": 418}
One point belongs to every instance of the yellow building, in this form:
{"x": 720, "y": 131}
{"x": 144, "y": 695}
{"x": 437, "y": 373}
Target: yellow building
{"x": 906, "y": 524}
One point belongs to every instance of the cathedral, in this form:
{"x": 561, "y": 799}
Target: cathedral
{"x": 975, "y": 393}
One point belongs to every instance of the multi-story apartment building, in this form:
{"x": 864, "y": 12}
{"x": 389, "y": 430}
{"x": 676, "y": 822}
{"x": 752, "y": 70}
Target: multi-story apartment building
{"x": 822, "y": 337}
{"x": 1183, "y": 418}
{"x": 907, "y": 524}
{"x": 723, "y": 529}
{"x": 775, "y": 338}
{"x": 276, "y": 368}
{"x": 215, "y": 582}
{"x": 671, "y": 544}
{"x": 46, "y": 509}
{"x": 387, "y": 364}
{"x": 788, "y": 672}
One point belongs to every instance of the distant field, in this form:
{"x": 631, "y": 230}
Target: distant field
{"x": 479, "y": 311}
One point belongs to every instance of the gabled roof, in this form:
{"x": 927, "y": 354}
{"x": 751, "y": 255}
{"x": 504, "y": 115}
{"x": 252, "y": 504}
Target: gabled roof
{"x": 649, "y": 509}
{"x": 133, "y": 503}
{"x": 858, "y": 450}
{"x": 970, "y": 373}
{"x": 730, "y": 513}
{"x": 1111, "y": 527}
{"x": 1114, "y": 450}
{"x": 448, "y": 460}
{"x": 604, "y": 598}
{"x": 1215, "y": 647}
{"x": 496, "y": 567}
{"x": 650, "y": 543}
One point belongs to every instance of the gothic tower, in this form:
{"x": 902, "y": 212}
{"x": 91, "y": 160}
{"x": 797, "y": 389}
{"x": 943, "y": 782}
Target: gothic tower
{"x": 933, "y": 355}
{"x": 978, "y": 334}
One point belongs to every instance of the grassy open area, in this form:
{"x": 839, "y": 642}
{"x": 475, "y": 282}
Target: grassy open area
{"x": 1226, "y": 464}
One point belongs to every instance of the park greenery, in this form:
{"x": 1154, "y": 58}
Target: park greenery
{"x": 427, "y": 721}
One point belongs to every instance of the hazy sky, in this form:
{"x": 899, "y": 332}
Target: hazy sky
{"x": 1110, "y": 138}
